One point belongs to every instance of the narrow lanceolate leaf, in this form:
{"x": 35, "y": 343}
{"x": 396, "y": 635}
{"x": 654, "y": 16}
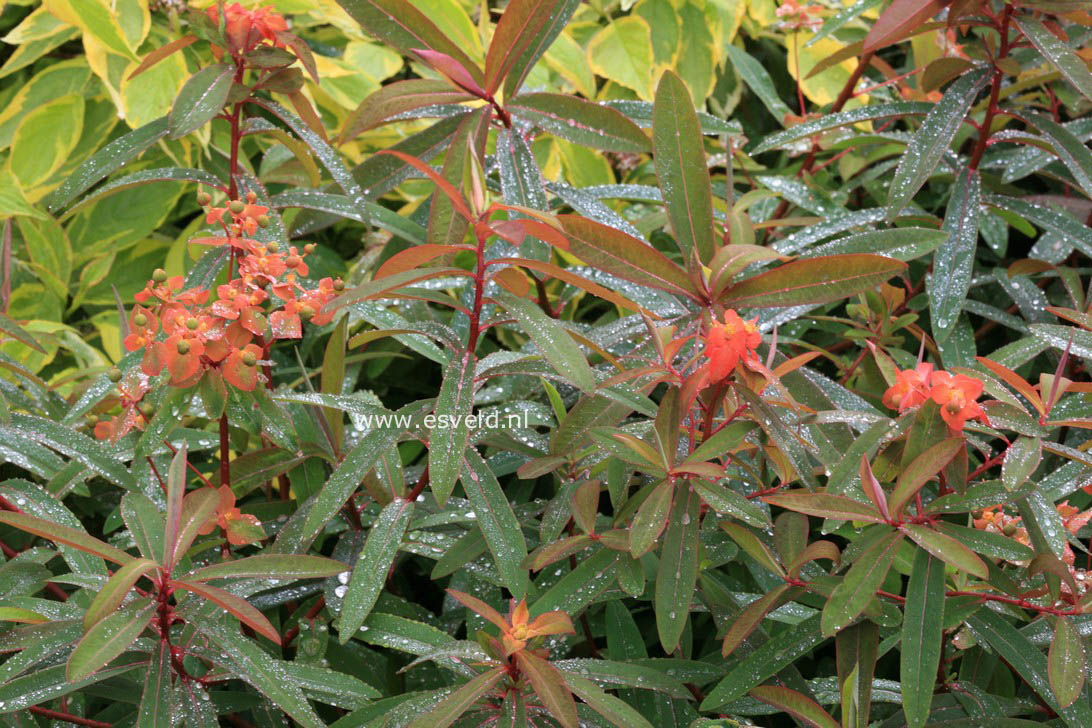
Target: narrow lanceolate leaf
{"x": 397, "y": 98}
{"x": 824, "y": 505}
{"x": 581, "y": 121}
{"x": 451, "y": 708}
{"x": 549, "y": 685}
{"x": 273, "y": 566}
{"x": 1058, "y": 53}
{"x": 552, "y": 340}
{"x": 17, "y": 332}
{"x": 94, "y": 454}
{"x": 449, "y": 437}
{"x": 615, "y": 710}
{"x": 371, "y": 569}
{"x": 899, "y": 19}
{"x": 857, "y": 649}
{"x": 922, "y": 469}
{"x": 650, "y": 519}
{"x": 860, "y": 583}
{"x": 953, "y": 262}
{"x": 623, "y": 255}
{"x": 533, "y": 27}
{"x": 497, "y": 522}
{"x": 198, "y": 507}
{"x": 402, "y": 25}
{"x": 108, "y": 639}
{"x": 240, "y": 608}
{"x": 795, "y": 704}
{"x": 115, "y": 590}
{"x": 1021, "y": 460}
{"x": 921, "y": 637}
{"x": 933, "y": 139}
{"x": 871, "y": 112}
{"x": 1027, "y": 660}
{"x": 678, "y": 570}
{"x": 759, "y": 81}
{"x": 750, "y": 618}
{"x": 156, "y": 708}
{"x": 201, "y": 98}
{"x": 176, "y": 491}
{"x": 681, "y": 168}
{"x": 765, "y": 662}
{"x": 947, "y": 549}
{"x": 445, "y": 225}
{"x": 1071, "y": 150}
{"x": 1066, "y": 664}
{"x": 63, "y": 534}
{"x": 813, "y": 281}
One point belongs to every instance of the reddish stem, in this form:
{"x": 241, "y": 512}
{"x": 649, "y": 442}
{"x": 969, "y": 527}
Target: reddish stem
{"x": 995, "y": 91}
{"x": 313, "y": 612}
{"x": 68, "y": 717}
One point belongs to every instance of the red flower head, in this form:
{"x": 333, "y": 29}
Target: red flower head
{"x": 131, "y": 390}
{"x": 245, "y": 29}
{"x": 241, "y": 367}
{"x": 911, "y": 388}
{"x": 956, "y": 395}
{"x": 143, "y": 326}
{"x": 730, "y": 343}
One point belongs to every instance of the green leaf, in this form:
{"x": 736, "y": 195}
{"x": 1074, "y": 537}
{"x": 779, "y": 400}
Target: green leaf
{"x": 681, "y": 168}
{"x": 580, "y": 121}
{"x": 115, "y": 590}
{"x": 750, "y": 618}
{"x": 403, "y": 26}
{"x": 271, "y": 566}
{"x": 397, "y": 98}
{"x": 552, "y": 340}
{"x": 1066, "y": 663}
{"x": 44, "y": 685}
{"x": 899, "y": 243}
{"x": 373, "y": 565}
{"x": 726, "y": 501}
{"x": 860, "y": 583}
{"x": 549, "y": 685}
{"x": 779, "y": 652}
{"x": 156, "y": 709}
{"x": 650, "y": 520}
{"x": 1027, "y": 660}
{"x": 758, "y": 80}
{"x": 953, "y": 263}
{"x": 948, "y": 549}
{"x": 581, "y": 586}
{"x": 813, "y": 281}
{"x": 754, "y": 547}
{"x": 451, "y": 432}
{"x": 921, "y": 470}
{"x": 799, "y": 706}
{"x": 96, "y": 455}
{"x": 17, "y": 332}
{"x": 857, "y": 652}
{"x": 108, "y": 639}
{"x": 933, "y": 139}
{"x": 1020, "y": 461}
{"x": 451, "y": 708}
{"x": 523, "y": 33}
{"x": 65, "y": 535}
{"x": 1058, "y": 53}
{"x": 201, "y": 98}
{"x": 677, "y": 574}
{"x": 872, "y": 112}
{"x": 615, "y": 710}
{"x": 1070, "y": 150}
{"x": 497, "y": 522}
{"x": 238, "y": 607}
{"x": 825, "y": 506}
{"x": 105, "y": 161}
{"x": 921, "y": 637}
{"x": 622, "y": 255}
{"x": 446, "y": 225}
{"x": 198, "y": 508}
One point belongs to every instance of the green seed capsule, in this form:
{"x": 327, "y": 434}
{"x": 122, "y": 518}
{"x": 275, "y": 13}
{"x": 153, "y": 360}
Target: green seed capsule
{"x": 114, "y": 374}
{"x": 306, "y": 312}
{"x": 159, "y": 275}
{"x": 140, "y": 320}
{"x": 203, "y": 199}
{"x": 236, "y": 207}
{"x": 146, "y": 409}
{"x": 192, "y": 323}
{"x": 183, "y": 347}
{"x": 249, "y": 359}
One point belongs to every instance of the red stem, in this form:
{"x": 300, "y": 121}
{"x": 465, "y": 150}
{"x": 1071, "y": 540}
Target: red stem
{"x": 68, "y": 717}
{"x": 995, "y": 91}
{"x": 479, "y": 290}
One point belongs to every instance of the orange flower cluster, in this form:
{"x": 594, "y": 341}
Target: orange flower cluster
{"x": 730, "y": 343}
{"x": 239, "y": 528}
{"x": 995, "y": 520}
{"x": 246, "y": 29}
{"x": 954, "y": 393}
{"x": 797, "y": 16}
{"x": 180, "y": 331}
{"x": 518, "y": 628}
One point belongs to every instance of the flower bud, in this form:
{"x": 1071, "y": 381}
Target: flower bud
{"x": 309, "y": 248}
{"x": 159, "y": 275}
{"x": 236, "y": 207}
{"x": 204, "y": 199}
{"x": 248, "y": 358}
{"x": 183, "y": 347}
{"x": 146, "y": 409}
{"x": 114, "y": 374}
{"x": 263, "y": 221}
{"x": 192, "y": 323}
{"x": 339, "y": 285}
{"x": 92, "y": 420}
{"x": 251, "y": 197}
{"x": 306, "y": 312}
{"x": 140, "y": 320}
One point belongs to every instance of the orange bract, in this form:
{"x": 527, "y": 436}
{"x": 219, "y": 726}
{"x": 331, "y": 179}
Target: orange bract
{"x": 956, "y": 395}
{"x": 911, "y": 388}
{"x": 729, "y": 343}
{"x": 245, "y": 29}
{"x": 518, "y": 628}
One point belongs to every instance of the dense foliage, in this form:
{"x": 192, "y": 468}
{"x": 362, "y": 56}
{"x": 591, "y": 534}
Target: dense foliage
{"x": 617, "y": 363}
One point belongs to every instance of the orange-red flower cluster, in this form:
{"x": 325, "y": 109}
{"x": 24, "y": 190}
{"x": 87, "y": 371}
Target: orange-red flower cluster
{"x": 179, "y": 330}
{"x": 730, "y": 343}
{"x": 518, "y": 628}
{"x": 955, "y": 394}
{"x": 797, "y": 16}
{"x": 246, "y": 29}
{"x": 239, "y": 528}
